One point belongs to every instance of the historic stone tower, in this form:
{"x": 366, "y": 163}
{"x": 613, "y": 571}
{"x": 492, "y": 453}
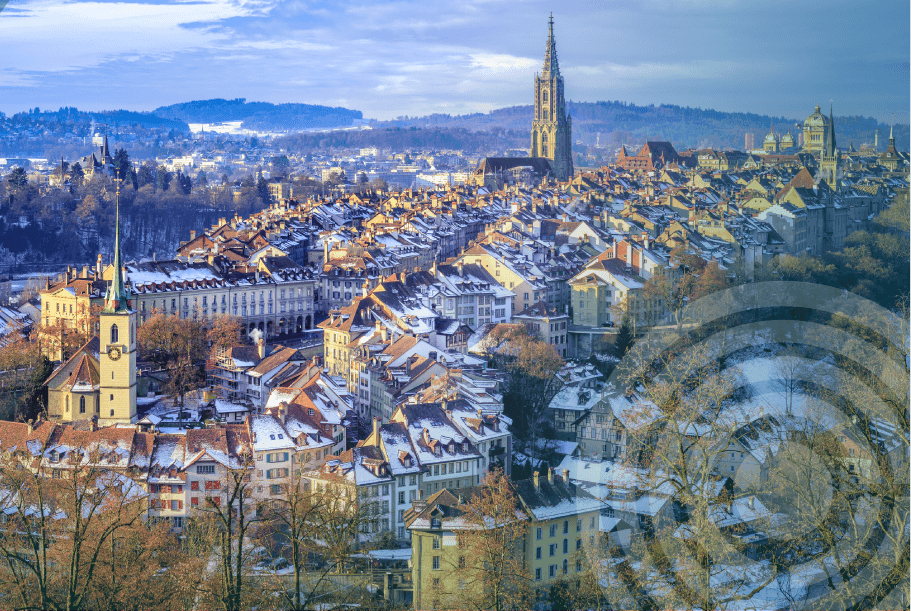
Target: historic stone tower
{"x": 828, "y": 158}
{"x": 117, "y": 341}
{"x": 551, "y": 128}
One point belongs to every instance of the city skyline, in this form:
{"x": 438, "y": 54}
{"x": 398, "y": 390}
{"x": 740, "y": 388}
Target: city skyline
{"x": 394, "y": 59}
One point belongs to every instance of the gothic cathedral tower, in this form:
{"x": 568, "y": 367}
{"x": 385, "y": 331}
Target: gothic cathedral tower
{"x": 551, "y": 128}
{"x": 117, "y": 340}
{"x": 828, "y": 158}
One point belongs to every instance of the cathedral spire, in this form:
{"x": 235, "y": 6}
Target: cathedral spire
{"x": 830, "y": 140}
{"x": 550, "y": 54}
{"x": 118, "y": 298}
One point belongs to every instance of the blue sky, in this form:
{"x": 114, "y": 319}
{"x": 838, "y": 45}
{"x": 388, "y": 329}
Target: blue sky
{"x": 393, "y": 58}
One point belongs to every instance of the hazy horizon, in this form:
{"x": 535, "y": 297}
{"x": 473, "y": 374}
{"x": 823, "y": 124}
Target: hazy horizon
{"x": 389, "y": 59}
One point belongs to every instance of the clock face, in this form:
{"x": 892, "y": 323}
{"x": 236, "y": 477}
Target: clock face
{"x": 114, "y": 353}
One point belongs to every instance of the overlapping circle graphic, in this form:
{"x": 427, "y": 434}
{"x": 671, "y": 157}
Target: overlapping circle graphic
{"x": 768, "y": 440}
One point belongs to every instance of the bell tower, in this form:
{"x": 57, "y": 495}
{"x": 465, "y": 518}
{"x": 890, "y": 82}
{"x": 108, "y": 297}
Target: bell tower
{"x": 828, "y": 158}
{"x": 117, "y": 342}
{"x": 551, "y": 128}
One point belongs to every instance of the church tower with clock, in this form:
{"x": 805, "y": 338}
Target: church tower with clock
{"x": 551, "y": 128}
{"x": 117, "y": 342}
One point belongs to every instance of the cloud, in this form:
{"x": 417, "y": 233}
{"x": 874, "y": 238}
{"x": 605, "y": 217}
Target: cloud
{"x": 389, "y": 58}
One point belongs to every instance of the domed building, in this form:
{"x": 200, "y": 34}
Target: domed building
{"x": 787, "y": 141}
{"x": 815, "y": 130}
{"x": 770, "y": 144}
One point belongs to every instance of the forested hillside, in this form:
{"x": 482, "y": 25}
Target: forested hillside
{"x": 401, "y": 139}
{"x": 622, "y": 123}
{"x": 73, "y": 226}
{"x": 260, "y": 115}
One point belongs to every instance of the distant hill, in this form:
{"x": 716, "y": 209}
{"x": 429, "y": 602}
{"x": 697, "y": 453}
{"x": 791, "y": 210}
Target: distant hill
{"x": 622, "y": 123}
{"x": 113, "y": 118}
{"x": 403, "y": 139}
{"x": 260, "y": 115}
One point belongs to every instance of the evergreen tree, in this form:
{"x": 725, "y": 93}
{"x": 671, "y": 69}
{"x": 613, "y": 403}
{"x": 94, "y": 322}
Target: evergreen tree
{"x": 164, "y": 178}
{"x": 17, "y": 178}
{"x": 122, "y": 164}
{"x": 34, "y": 400}
{"x": 262, "y": 189}
{"x": 76, "y": 172}
{"x": 624, "y": 337}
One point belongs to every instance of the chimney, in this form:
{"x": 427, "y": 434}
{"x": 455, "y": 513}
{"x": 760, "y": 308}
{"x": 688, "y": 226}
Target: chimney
{"x": 752, "y": 502}
{"x": 376, "y": 430}
{"x": 85, "y": 271}
{"x": 261, "y": 348}
{"x": 459, "y": 265}
{"x": 31, "y": 426}
{"x": 645, "y": 239}
{"x": 566, "y": 477}
{"x": 550, "y": 475}
{"x": 537, "y": 479}
{"x": 192, "y": 235}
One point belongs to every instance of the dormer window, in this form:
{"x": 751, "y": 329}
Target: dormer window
{"x": 435, "y": 523}
{"x": 272, "y": 437}
{"x": 310, "y": 412}
{"x": 280, "y": 436}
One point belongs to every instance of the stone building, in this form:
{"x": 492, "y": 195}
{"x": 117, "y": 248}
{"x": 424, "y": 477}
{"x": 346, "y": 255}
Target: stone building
{"x": 551, "y": 128}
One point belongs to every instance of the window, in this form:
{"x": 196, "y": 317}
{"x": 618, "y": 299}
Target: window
{"x": 194, "y": 501}
{"x": 436, "y": 563}
{"x": 538, "y": 574}
{"x": 461, "y": 562}
{"x": 194, "y": 485}
{"x": 115, "y": 336}
{"x": 402, "y": 497}
{"x": 538, "y": 553}
{"x": 552, "y": 549}
{"x": 553, "y": 530}
{"x": 565, "y": 566}
{"x": 578, "y": 544}
{"x": 565, "y": 546}
{"x": 81, "y": 405}
{"x": 579, "y": 525}
{"x": 565, "y": 526}
{"x": 538, "y": 533}
{"x": 553, "y": 570}
{"x": 204, "y": 469}
{"x": 436, "y": 543}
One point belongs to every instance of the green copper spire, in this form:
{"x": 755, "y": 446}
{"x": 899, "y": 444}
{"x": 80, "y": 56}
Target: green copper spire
{"x": 830, "y": 141}
{"x": 551, "y": 66}
{"x": 118, "y": 297}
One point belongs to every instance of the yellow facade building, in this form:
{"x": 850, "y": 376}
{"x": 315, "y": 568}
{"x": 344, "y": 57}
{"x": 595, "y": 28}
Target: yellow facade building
{"x": 99, "y": 381}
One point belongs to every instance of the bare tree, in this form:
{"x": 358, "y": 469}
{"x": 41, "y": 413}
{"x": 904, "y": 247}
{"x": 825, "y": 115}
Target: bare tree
{"x": 64, "y": 520}
{"x": 490, "y": 566}
{"x": 322, "y": 528}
